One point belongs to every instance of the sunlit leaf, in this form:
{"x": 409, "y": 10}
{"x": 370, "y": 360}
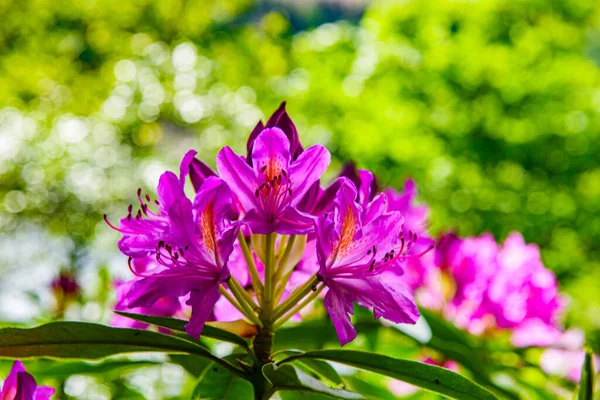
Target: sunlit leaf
{"x": 83, "y": 340}
{"x": 435, "y": 379}
{"x": 88, "y": 368}
{"x": 179, "y": 326}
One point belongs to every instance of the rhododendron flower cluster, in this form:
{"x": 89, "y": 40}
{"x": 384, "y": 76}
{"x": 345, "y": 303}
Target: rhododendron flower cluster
{"x": 483, "y": 286}
{"x": 261, "y": 239}
{"x": 20, "y": 385}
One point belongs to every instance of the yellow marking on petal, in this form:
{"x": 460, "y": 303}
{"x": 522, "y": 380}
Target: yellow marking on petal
{"x": 208, "y": 227}
{"x": 348, "y": 231}
{"x": 273, "y": 169}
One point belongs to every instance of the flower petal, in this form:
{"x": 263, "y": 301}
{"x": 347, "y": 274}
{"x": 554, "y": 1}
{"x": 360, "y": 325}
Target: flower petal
{"x": 307, "y": 169}
{"x": 202, "y": 303}
{"x": 25, "y": 386}
{"x": 43, "y": 393}
{"x": 294, "y": 222}
{"x": 239, "y": 176}
{"x": 199, "y": 171}
{"x": 10, "y": 386}
{"x": 340, "y": 307}
{"x": 169, "y": 190}
{"x": 271, "y": 151}
{"x": 184, "y": 166}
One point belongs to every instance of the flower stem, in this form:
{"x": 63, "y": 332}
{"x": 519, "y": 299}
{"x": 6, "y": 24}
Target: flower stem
{"x": 299, "y": 307}
{"x": 247, "y": 310}
{"x": 246, "y": 296}
{"x": 284, "y": 258}
{"x": 296, "y": 296}
{"x": 282, "y": 246}
{"x": 269, "y": 261}
{"x": 256, "y": 283}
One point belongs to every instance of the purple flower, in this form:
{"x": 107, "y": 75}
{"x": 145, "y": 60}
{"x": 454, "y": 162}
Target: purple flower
{"x": 163, "y": 307}
{"x": 523, "y": 294}
{"x": 365, "y": 182}
{"x": 65, "y": 284}
{"x": 270, "y": 189}
{"x": 19, "y": 385}
{"x": 197, "y": 169}
{"x": 355, "y": 245}
{"x": 415, "y": 226}
{"x": 280, "y": 119}
{"x": 191, "y": 244}
{"x": 482, "y": 286}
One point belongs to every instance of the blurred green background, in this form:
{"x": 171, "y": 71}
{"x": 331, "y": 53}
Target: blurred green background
{"x": 493, "y": 107}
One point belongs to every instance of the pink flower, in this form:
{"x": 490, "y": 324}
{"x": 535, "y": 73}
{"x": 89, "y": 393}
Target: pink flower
{"x": 19, "y": 385}
{"x": 565, "y": 357}
{"x": 481, "y": 285}
{"x": 355, "y": 245}
{"x": 271, "y": 188}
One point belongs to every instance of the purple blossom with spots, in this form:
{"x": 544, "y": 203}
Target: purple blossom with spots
{"x": 270, "y": 189}
{"x": 191, "y": 243}
{"x": 355, "y": 245}
{"x": 20, "y": 385}
{"x": 262, "y": 238}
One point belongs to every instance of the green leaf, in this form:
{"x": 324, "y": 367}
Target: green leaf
{"x": 441, "y": 329}
{"x": 435, "y": 379}
{"x": 586, "y": 382}
{"x": 179, "y": 326}
{"x": 66, "y": 369}
{"x": 455, "y": 344}
{"x": 315, "y": 334}
{"x": 368, "y": 389}
{"x": 82, "y": 340}
{"x": 218, "y": 383}
{"x": 286, "y": 377}
{"x": 193, "y": 364}
{"x": 320, "y": 368}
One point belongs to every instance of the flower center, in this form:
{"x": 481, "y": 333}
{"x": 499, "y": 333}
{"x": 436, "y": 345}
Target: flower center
{"x": 275, "y": 191}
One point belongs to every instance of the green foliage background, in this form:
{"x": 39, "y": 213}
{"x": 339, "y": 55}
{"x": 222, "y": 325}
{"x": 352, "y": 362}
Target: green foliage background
{"x": 492, "y": 106}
